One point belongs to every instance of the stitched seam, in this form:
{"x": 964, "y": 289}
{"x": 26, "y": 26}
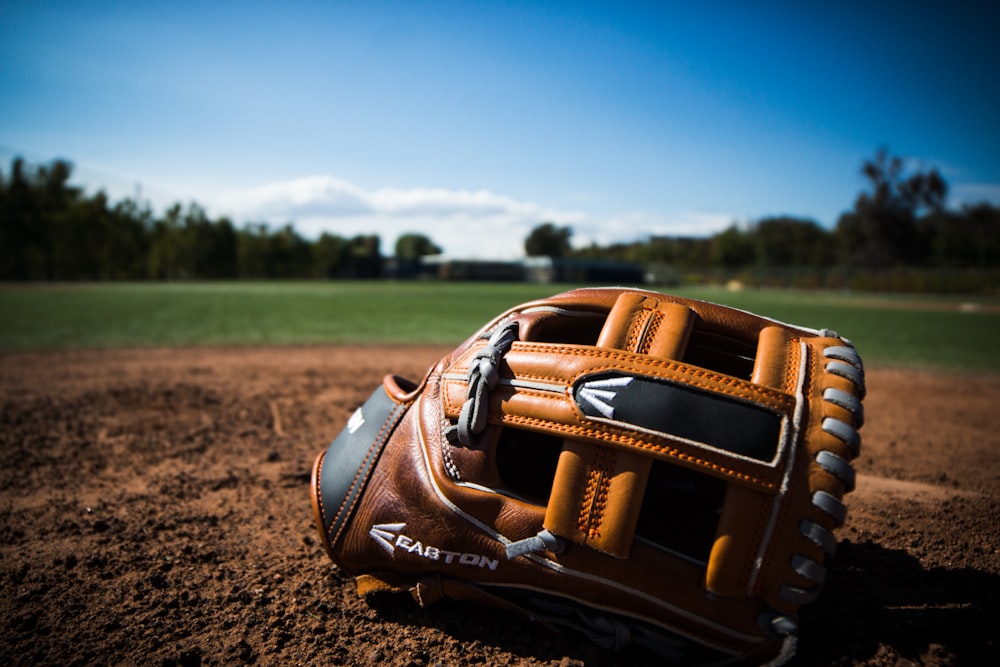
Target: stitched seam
{"x": 376, "y": 446}
{"x": 731, "y": 386}
{"x": 589, "y": 491}
{"x": 343, "y": 511}
{"x": 595, "y": 496}
{"x": 319, "y": 488}
{"x": 445, "y": 399}
{"x": 691, "y": 374}
{"x": 770, "y": 399}
{"x": 607, "y": 461}
{"x": 802, "y": 442}
{"x": 655, "y": 320}
{"x": 633, "y": 442}
{"x": 347, "y": 496}
{"x": 628, "y": 439}
{"x": 636, "y": 327}
{"x": 449, "y": 462}
{"x": 791, "y": 372}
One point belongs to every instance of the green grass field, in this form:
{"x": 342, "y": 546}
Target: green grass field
{"x": 919, "y": 332}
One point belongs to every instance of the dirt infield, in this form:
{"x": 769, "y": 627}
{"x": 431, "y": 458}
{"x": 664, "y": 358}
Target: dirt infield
{"x": 155, "y": 512}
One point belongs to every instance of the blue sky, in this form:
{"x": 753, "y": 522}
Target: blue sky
{"x": 473, "y": 122}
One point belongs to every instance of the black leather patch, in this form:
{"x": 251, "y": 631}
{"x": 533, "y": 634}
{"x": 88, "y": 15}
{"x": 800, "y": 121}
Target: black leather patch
{"x": 352, "y": 456}
{"x": 675, "y": 410}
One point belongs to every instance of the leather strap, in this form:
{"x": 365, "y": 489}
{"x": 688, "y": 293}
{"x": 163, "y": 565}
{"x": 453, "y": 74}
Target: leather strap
{"x": 737, "y": 539}
{"x": 539, "y": 390}
{"x": 597, "y": 491}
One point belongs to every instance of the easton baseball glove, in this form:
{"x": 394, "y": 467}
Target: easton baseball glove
{"x": 642, "y": 468}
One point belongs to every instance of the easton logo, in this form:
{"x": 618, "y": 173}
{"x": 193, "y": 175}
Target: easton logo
{"x": 356, "y": 421}
{"x": 390, "y": 537}
{"x": 599, "y": 394}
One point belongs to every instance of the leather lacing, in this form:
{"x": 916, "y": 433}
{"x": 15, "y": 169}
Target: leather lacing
{"x": 483, "y": 377}
{"x": 843, "y": 361}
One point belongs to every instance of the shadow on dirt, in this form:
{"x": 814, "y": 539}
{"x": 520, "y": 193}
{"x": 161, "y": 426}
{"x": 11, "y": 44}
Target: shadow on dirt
{"x": 478, "y": 626}
{"x": 877, "y": 603}
{"x": 883, "y": 602}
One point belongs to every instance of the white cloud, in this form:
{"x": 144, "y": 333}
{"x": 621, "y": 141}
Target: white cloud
{"x": 961, "y": 190}
{"x": 974, "y": 193}
{"x": 641, "y": 225}
{"x": 309, "y": 196}
{"x": 466, "y": 223}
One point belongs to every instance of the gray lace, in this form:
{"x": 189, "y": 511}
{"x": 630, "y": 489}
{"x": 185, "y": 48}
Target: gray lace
{"x": 845, "y": 362}
{"x": 484, "y": 375}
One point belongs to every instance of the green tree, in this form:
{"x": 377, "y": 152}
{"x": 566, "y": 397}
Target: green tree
{"x": 35, "y": 205}
{"x": 166, "y": 246}
{"x": 412, "y": 246}
{"x": 969, "y": 238}
{"x": 262, "y": 253}
{"x": 128, "y": 242}
{"x": 785, "y": 241}
{"x": 733, "y": 248}
{"x": 683, "y": 252}
{"x": 329, "y": 256}
{"x": 288, "y": 254}
{"x": 221, "y": 259}
{"x": 364, "y": 256}
{"x": 548, "y": 240}
{"x": 882, "y": 229}
{"x": 251, "y": 251}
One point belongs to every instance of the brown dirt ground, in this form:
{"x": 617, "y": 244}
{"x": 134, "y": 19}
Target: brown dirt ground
{"x": 154, "y": 510}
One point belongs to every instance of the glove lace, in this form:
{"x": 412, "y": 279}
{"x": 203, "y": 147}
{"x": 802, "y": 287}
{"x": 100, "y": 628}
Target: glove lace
{"x": 843, "y": 362}
{"x": 483, "y": 376}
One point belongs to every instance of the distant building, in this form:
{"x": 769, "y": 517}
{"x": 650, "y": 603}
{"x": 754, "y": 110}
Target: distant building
{"x": 447, "y": 268}
{"x": 572, "y": 270}
{"x": 530, "y": 269}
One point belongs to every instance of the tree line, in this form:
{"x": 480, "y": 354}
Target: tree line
{"x": 901, "y": 220}
{"x": 897, "y": 236}
{"x": 51, "y": 230}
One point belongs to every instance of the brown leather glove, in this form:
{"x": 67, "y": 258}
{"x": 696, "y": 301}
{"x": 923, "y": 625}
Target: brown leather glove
{"x": 640, "y": 467}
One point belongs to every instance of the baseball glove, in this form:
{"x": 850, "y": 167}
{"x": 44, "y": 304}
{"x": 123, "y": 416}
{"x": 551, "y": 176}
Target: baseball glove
{"x": 642, "y": 468}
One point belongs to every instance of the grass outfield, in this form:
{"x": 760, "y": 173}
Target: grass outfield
{"x": 935, "y": 333}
